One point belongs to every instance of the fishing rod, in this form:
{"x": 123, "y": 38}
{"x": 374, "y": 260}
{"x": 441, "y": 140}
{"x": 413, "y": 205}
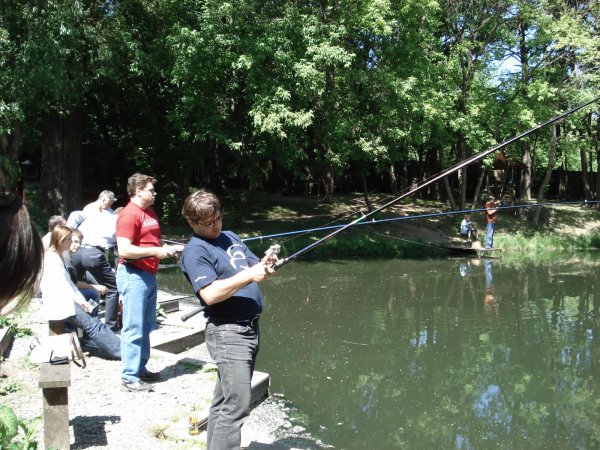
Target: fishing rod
{"x": 432, "y": 180}
{"x": 456, "y": 167}
{"x": 395, "y": 219}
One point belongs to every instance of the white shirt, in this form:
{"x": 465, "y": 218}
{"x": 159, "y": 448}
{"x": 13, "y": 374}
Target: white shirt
{"x": 46, "y": 241}
{"x": 59, "y": 294}
{"x": 99, "y": 229}
{"x": 94, "y": 207}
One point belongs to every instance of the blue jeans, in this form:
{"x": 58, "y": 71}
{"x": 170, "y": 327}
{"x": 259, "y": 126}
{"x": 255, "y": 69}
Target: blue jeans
{"x": 489, "y": 235}
{"x": 93, "y": 260}
{"x": 234, "y": 348}
{"x": 138, "y": 289}
{"x": 90, "y": 294}
{"x": 106, "y": 341}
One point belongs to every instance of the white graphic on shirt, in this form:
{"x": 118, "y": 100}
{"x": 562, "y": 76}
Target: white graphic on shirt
{"x": 201, "y": 277}
{"x": 149, "y": 222}
{"x": 235, "y": 255}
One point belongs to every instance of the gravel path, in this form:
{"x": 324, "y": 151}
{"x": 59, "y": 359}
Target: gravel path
{"x": 102, "y": 415}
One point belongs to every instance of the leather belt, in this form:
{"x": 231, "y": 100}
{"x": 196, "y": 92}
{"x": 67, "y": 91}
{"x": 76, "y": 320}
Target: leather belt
{"x": 249, "y": 323}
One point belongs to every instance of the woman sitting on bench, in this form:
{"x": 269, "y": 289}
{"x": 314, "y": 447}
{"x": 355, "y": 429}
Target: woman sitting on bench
{"x": 61, "y": 300}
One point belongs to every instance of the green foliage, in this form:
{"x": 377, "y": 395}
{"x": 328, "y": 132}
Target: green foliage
{"x": 12, "y": 322}
{"x": 171, "y": 209}
{"x": 255, "y": 95}
{"x": 11, "y": 426}
{"x": 7, "y": 387}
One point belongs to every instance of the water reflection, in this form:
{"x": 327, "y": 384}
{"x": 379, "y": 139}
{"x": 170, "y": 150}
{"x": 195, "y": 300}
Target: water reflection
{"x": 405, "y": 354}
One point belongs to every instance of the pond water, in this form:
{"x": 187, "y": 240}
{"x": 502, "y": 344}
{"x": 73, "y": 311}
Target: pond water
{"x": 448, "y": 353}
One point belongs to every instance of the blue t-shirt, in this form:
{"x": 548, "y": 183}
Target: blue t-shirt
{"x": 206, "y": 260}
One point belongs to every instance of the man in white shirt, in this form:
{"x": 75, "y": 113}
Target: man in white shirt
{"x": 104, "y": 203}
{"x": 98, "y": 237}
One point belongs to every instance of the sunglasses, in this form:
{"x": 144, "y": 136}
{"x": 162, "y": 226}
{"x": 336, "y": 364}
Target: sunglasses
{"x": 11, "y": 182}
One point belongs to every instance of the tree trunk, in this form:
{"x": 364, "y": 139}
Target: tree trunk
{"x": 61, "y": 162}
{"x": 585, "y": 175}
{"x": 450, "y": 196}
{"x": 363, "y": 180}
{"x": 10, "y": 144}
{"x": 598, "y": 158}
{"x": 462, "y": 173}
{"x": 393, "y": 179}
{"x": 329, "y": 184}
{"x": 551, "y": 156}
{"x": 526, "y": 174}
{"x": 478, "y": 188}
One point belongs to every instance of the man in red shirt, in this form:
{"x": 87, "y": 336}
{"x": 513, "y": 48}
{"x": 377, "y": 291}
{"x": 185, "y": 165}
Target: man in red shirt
{"x": 140, "y": 251}
{"x": 490, "y": 220}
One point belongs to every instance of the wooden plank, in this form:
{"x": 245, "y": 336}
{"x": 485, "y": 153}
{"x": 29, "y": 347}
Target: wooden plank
{"x": 473, "y": 251}
{"x": 54, "y": 381}
{"x": 180, "y": 430}
{"x": 260, "y": 392}
{"x": 169, "y": 305}
{"x": 6, "y": 338}
{"x": 54, "y": 376}
{"x": 179, "y": 342}
{"x": 56, "y": 418}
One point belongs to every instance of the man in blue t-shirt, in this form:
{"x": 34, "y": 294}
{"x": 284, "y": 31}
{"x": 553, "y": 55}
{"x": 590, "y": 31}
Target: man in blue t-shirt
{"x": 224, "y": 275}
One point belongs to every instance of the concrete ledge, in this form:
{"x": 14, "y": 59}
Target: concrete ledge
{"x": 177, "y": 343}
{"x": 181, "y": 429}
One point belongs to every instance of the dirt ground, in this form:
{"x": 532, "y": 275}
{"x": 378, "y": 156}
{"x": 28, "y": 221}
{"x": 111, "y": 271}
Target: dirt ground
{"x": 103, "y": 415}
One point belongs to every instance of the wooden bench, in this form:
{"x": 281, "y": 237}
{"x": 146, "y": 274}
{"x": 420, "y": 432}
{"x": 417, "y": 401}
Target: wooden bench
{"x": 54, "y": 382}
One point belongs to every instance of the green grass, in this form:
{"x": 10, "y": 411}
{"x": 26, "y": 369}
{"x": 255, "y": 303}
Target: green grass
{"x": 261, "y": 214}
{"x": 252, "y": 214}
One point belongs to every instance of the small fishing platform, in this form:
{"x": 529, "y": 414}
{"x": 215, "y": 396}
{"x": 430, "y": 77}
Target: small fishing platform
{"x": 481, "y": 251}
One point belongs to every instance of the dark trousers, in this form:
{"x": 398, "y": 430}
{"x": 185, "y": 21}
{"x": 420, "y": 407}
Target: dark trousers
{"x": 234, "y": 349}
{"x": 93, "y": 260}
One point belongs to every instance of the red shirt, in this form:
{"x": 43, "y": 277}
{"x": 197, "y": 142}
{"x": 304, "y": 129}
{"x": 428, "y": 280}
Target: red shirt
{"x": 141, "y": 227}
{"x": 490, "y": 218}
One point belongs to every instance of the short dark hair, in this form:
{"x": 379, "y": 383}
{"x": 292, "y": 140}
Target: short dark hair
{"x": 200, "y": 205}
{"x": 138, "y": 181}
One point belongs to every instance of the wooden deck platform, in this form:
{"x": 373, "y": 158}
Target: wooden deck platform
{"x": 486, "y": 252}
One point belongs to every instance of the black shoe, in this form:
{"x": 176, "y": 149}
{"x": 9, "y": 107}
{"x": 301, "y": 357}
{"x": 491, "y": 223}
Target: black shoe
{"x": 136, "y": 386}
{"x": 146, "y": 375}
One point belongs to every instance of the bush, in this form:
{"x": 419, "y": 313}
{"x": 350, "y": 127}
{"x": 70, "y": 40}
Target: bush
{"x": 11, "y": 425}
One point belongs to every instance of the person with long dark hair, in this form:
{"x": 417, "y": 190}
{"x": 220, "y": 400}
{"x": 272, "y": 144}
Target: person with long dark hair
{"x": 21, "y": 250}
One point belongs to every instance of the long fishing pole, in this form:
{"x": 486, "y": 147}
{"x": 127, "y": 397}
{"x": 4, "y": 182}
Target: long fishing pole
{"x": 432, "y": 180}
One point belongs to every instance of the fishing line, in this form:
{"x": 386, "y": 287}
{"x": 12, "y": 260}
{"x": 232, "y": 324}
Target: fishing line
{"x": 431, "y": 180}
{"x": 394, "y": 219}
{"x": 443, "y": 174}
{"x": 418, "y": 216}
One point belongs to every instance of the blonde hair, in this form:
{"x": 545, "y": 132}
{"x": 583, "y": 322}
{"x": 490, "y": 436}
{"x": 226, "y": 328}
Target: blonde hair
{"x": 58, "y": 236}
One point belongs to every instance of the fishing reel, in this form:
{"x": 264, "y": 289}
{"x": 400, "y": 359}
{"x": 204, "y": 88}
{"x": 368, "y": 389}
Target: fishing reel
{"x": 273, "y": 250}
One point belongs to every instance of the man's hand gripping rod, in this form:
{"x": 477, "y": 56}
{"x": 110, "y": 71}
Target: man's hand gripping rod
{"x": 272, "y": 251}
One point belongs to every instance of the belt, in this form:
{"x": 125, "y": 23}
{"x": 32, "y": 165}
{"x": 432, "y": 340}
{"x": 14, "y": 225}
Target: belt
{"x": 249, "y": 323}
{"x": 97, "y": 247}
